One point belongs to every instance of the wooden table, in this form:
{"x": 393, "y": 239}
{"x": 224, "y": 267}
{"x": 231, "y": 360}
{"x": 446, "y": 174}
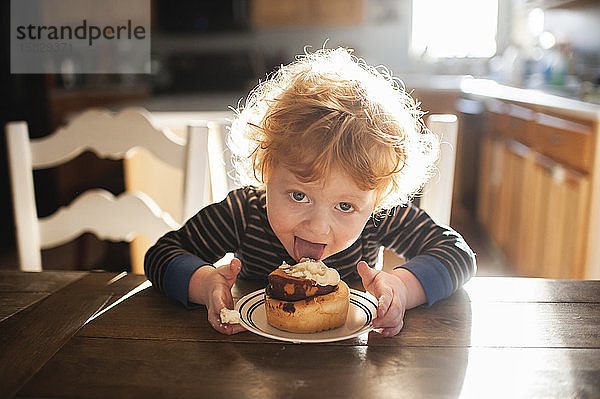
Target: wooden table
{"x": 102, "y": 335}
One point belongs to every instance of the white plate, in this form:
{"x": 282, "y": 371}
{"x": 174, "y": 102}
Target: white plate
{"x": 362, "y": 310}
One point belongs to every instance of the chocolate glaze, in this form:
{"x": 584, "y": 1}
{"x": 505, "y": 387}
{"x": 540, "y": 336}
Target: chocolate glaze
{"x": 288, "y": 288}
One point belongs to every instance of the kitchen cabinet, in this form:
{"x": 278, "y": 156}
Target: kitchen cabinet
{"x": 570, "y": 143}
{"x": 485, "y": 189}
{"x": 270, "y": 13}
{"x": 534, "y": 199}
{"x": 517, "y": 194}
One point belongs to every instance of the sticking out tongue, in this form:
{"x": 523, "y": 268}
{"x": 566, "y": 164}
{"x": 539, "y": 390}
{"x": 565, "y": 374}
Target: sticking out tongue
{"x": 307, "y": 249}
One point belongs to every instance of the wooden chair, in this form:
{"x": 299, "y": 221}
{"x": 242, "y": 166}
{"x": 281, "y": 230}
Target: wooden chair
{"x": 145, "y": 173}
{"x": 436, "y": 196}
{"x": 120, "y": 218}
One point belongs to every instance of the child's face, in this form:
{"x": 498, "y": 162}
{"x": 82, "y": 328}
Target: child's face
{"x": 316, "y": 219}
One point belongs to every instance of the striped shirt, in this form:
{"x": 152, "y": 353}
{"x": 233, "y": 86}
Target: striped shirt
{"x": 437, "y": 255}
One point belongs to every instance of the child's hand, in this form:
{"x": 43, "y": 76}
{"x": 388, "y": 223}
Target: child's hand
{"x": 391, "y": 293}
{"x": 215, "y": 293}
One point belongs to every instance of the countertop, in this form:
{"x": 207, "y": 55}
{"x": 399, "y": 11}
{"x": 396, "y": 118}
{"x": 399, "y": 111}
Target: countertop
{"x": 487, "y": 88}
{"x": 468, "y": 85}
{"x": 569, "y": 107}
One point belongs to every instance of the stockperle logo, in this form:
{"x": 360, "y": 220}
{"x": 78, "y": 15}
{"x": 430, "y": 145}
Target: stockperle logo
{"x": 80, "y": 36}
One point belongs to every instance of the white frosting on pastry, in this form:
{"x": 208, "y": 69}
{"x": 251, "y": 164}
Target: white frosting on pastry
{"x": 313, "y": 270}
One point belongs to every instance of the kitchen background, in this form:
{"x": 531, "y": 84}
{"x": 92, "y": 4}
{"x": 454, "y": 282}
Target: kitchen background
{"x": 207, "y": 54}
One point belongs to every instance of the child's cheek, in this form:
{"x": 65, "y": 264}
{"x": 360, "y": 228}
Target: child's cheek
{"x": 350, "y": 226}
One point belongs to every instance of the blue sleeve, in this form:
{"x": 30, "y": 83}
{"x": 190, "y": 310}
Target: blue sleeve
{"x": 177, "y": 277}
{"x": 432, "y": 275}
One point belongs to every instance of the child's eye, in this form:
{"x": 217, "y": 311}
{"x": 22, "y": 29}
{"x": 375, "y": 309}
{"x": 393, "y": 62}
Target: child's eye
{"x": 345, "y": 207}
{"x": 297, "y": 196}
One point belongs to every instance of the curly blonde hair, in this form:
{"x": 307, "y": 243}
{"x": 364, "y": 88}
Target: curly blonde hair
{"x": 329, "y": 109}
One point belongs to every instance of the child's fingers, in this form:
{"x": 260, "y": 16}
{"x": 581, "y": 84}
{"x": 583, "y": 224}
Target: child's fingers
{"x": 384, "y": 302}
{"x": 222, "y": 299}
{"x": 390, "y": 312}
{"x": 236, "y": 265}
{"x": 367, "y": 274}
{"x": 393, "y": 316}
{"x": 392, "y": 323}
{"x": 230, "y": 271}
{"x": 392, "y": 331}
{"x": 237, "y": 328}
{"x": 214, "y": 318}
{"x": 226, "y": 328}
{"x": 219, "y": 300}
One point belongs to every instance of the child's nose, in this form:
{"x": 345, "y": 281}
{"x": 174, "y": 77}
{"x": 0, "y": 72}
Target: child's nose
{"x": 319, "y": 225}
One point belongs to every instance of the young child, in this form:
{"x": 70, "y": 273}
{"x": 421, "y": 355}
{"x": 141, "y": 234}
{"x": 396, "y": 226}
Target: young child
{"x": 329, "y": 151}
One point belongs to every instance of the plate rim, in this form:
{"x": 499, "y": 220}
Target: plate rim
{"x": 250, "y": 326}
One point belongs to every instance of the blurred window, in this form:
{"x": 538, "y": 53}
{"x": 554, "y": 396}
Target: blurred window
{"x": 457, "y": 28}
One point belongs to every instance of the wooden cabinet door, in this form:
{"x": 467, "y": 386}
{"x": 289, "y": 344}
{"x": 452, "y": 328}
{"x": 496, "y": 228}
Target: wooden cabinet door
{"x": 574, "y": 244}
{"x": 565, "y": 141}
{"x": 526, "y": 235}
{"x": 551, "y": 229}
{"x": 519, "y": 178}
{"x": 560, "y": 221}
{"x": 484, "y": 186}
{"x": 489, "y": 208}
{"x": 503, "y": 174}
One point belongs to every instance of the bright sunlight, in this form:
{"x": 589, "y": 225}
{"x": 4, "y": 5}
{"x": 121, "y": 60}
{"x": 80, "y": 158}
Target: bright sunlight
{"x": 457, "y": 28}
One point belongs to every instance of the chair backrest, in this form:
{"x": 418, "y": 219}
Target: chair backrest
{"x": 436, "y": 198}
{"x": 120, "y": 218}
{"x": 145, "y": 173}
{"x": 142, "y": 167}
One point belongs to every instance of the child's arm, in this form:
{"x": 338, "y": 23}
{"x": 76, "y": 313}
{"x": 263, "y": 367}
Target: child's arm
{"x": 439, "y": 263}
{"x": 437, "y": 256}
{"x": 176, "y": 257}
